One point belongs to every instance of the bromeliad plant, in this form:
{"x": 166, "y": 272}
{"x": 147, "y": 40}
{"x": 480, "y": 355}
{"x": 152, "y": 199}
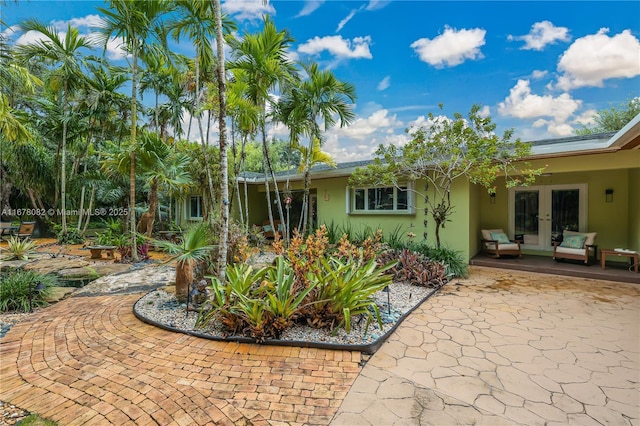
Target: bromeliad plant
{"x": 346, "y": 288}
{"x": 19, "y": 249}
{"x": 264, "y": 303}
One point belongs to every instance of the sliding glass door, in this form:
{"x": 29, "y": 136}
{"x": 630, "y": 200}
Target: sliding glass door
{"x": 538, "y": 215}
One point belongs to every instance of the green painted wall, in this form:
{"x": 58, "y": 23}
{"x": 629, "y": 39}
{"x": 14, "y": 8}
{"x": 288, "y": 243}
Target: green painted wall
{"x": 615, "y": 222}
{"x": 634, "y": 209}
{"x": 332, "y": 208}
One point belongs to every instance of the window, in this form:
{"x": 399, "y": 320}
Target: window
{"x": 195, "y": 207}
{"x": 380, "y": 200}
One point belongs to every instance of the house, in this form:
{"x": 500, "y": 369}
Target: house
{"x": 590, "y": 183}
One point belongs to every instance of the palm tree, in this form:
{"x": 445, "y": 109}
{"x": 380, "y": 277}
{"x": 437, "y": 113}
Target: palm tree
{"x": 65, "y": 56}
{"x": 321, "y": 96}
{"x": 192, "y": 249}
{"x": 244, "y": 118}
{"x": 195, "y": 21}
{"x": 263, "y": 57}
{"x": 133, "y": 21}
{"x": 155, "y": 77}
{"x": 161, "y": 167}
{"x": 310, "y": 157}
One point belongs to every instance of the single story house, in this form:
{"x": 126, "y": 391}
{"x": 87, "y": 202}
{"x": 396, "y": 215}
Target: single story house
{"x": 590, "y": 183}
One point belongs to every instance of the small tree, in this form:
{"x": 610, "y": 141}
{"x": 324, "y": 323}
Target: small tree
{"x": 446, "y": 150}
{"x": 614, "y": 118}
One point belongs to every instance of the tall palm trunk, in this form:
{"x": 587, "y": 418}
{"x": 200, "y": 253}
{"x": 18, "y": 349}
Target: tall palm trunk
{"x": 207, "y": 164}
{"x": 132, "y": 154}
{"x": 269, "y": 171}
{"x": 63, "y": 162}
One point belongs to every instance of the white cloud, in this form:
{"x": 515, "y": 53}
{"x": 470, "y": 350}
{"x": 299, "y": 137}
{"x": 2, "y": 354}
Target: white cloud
{"x": 351, "y": 14}
{"x": 451, "y": 48}
{"x": 338, "y": 46}
{"x": 587, "y": 118}
{"x": 594, "y": 58}
{"x": 247, "y": 10}
{"x": 384, "y": 83}
{"x": 485, "y": 111}
{"x": 377, "y": 4}
{"x": 538, "y": 74}
{"x": 89, "y": 21}
{"x": 363, "y": 128}
{"x": 116, "y": 48}
{"x": 31, "y": 37}
{"x": 9, "y": 32}
{"x": 541, "y": 34}
{"x": 310, "y": 6}
{"x": 522, "y": 103}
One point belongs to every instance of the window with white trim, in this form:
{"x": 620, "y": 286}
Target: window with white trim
{"x": 195, "y": 207}
{"x": 380, "y": 200}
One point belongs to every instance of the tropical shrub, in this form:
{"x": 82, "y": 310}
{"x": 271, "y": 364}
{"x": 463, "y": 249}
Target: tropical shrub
{"x": 19, "y": 249}
{"x": 71, "y": 236}
{"x": 17, "y": 290}
{"x": 345, "y": 288}
{"x": 264, "y": 303}
{"x": 283, "y": 302}
{"x": 456, "y": 265}
{"x": 414, "y": 268}
{"x": 124, "y": 247}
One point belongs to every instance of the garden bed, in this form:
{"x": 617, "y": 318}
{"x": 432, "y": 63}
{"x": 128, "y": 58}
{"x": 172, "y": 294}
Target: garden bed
{"x": 162, "y": 309}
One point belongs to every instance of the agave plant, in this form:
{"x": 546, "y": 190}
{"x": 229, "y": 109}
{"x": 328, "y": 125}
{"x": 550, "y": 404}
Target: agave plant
{"x": 19, "y": 249}
{"x": 191, "y": 250}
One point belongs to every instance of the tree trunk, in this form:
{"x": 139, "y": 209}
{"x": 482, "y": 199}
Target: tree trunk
{"x": 81, "y": 208}
{"x": 273, "y": 177}
{"x": 147, "y": 220}
{"x": 63, "y": 162}
{"x": 184, "y": 277}
{"x": 132, "y": 155}
{"x": 224, "y": 160}
{"x": 86, "y": 224}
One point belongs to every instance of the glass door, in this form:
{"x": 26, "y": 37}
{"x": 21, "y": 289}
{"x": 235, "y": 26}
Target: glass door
{"x": 538, "y": 215}
{"x": 526, "y": 212}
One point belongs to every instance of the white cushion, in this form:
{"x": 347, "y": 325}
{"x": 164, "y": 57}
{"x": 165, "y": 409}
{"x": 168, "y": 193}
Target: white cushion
{"x": 566, "y": 250}
{"x": 510, "y": 246}
{"x": 591, "y": 236}
{"x": 486, "y": 233}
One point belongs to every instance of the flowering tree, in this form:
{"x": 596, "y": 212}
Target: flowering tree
{"x": 448, "y": 149}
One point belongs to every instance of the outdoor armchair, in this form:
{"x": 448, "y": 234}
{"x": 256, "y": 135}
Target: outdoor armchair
{"x": 576, "y": 246}
{"x": 496, "y": 243}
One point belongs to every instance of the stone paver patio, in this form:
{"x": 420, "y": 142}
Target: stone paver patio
{"x": 508, "y": 347}
{"x": 502, "y": 347}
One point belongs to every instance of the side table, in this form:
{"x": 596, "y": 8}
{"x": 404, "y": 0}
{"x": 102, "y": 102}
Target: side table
{"x": 633, "y": 256}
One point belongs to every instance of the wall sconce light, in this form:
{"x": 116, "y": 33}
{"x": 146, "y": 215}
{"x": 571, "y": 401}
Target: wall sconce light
{"x": 492, "y": 198}
{"x": 608, "y": 195}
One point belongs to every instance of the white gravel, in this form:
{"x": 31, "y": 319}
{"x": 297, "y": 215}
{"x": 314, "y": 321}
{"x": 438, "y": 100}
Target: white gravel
{"x": 163, "y": 308}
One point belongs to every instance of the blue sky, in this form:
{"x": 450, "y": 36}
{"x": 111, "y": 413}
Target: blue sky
{"x": 539, "y": 67}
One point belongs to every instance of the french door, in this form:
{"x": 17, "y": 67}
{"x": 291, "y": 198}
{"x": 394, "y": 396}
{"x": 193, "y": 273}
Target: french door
{"x": 539, "y": 214}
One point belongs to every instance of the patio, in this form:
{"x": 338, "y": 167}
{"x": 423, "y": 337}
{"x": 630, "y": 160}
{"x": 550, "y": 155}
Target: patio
{"x": 615, "y": 271}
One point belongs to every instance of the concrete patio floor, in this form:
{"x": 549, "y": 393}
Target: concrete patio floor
{"x": 502, "y": 347}
{"x": 508, "y": 347}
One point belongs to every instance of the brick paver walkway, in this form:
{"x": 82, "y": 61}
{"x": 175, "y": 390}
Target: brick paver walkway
{"x": 88, "y": 360}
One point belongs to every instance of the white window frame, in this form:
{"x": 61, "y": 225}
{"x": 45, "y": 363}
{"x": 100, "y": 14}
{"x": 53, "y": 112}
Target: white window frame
{"x": 200, "y": 205}
{"x": 351, "y": 201}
